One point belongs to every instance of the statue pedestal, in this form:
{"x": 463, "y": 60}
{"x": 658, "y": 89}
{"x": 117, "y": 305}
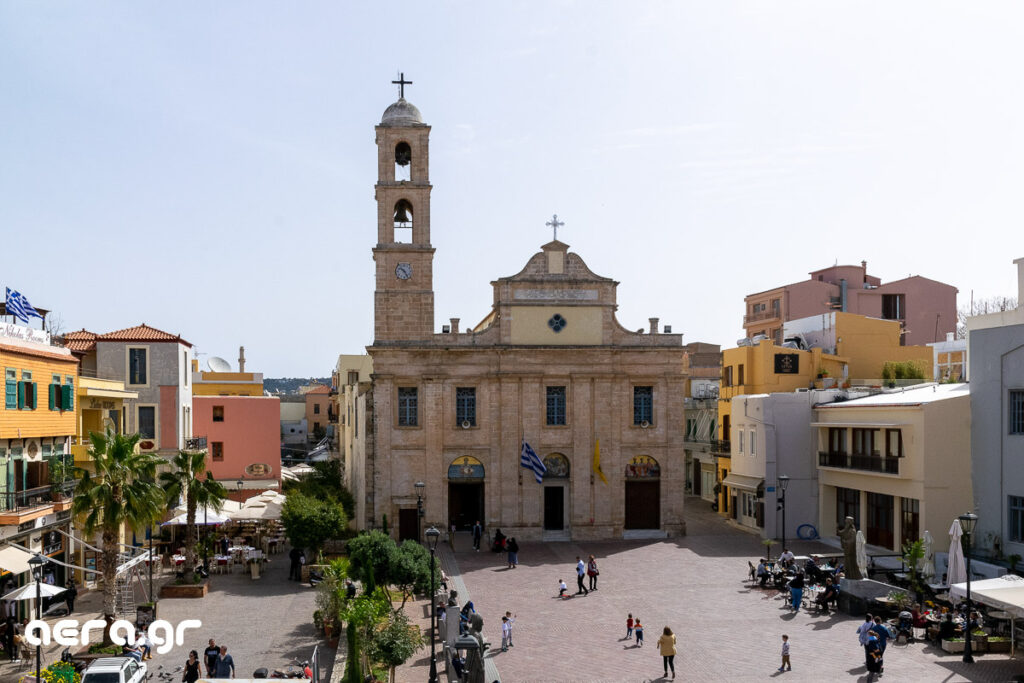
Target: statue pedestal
{"x": 855, "y": 594}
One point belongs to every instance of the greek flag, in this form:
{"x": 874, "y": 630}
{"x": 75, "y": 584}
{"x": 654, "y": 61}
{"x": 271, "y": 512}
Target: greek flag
{"x": 19, "y": 307}
{"x": 528, "y": 459}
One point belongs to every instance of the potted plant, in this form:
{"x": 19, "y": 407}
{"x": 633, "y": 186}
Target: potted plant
{"x": 318, "y": 621}
{"x": 767, "y": 543}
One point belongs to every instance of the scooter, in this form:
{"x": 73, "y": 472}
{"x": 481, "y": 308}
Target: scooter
{"x": 301, "y": 671}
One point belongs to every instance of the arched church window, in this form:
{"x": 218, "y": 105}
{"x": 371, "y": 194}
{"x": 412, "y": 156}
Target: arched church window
{"x": 403, "y": 161}
{"x": 643, "y": 467}
{"x": 466, "y": 467}
{"x": 558, "y": 466}
{"x": 403, "y": 221}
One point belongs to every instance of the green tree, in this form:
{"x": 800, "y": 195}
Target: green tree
{"x": 120, "y": 490}
{"x": 353, "y": 672}
{"x": 410, "y": 570}
{"x": 393, "y": 641}
{"x": 187, "y": 482}
{"x": 373, "y": 550}
{"x": 309, "y": 522}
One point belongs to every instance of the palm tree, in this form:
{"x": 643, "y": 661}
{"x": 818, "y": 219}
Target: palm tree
{"x": 186, "y": 481}
{"x": 121, "y": 490}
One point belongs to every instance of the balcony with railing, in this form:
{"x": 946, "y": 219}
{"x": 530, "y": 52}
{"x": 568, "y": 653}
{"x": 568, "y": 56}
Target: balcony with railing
{"x": 28, "y": 504}
{"x": 195, "y": 443}
{"x": 861, "y": 463}
{"x": 721, "y": 447}
{"x": 767, "y": 314}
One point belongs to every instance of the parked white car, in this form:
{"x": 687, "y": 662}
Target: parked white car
{"x": 115, "y": 670}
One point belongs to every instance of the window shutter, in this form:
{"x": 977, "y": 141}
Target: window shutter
{"x": 11, "y": 393}
{"x": 53, "y": 396}
{"x": 34, "y": 395}
{"x": 67, "y": 400}
{"x": 21, "y": 395}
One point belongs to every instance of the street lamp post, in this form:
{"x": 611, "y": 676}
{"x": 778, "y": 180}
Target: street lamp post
{"x": 37, "y": 563}
{"x": 432, "y": 535}
{"x": 967, "y": 522}
{"x": 420, "y": 513}
{"x": 783, "y": 483}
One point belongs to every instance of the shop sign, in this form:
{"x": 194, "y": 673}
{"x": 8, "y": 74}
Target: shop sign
{"x": 258, "y": 469}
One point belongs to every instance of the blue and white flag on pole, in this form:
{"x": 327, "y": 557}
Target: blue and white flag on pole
{"x": 528, "y": 459}
{"x": 19, "y": 307}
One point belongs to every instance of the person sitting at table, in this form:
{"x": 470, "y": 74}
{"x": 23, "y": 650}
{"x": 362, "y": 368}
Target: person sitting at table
{"x": 786, "y": 558}
{"x": 918, "y": 619}
{"x": 812, "y": 570}
{"x": 830, "y": 594}
{"x": 974, "y": 623}
{"x": 947, "y": 629}
{"x": 762, "y": 572}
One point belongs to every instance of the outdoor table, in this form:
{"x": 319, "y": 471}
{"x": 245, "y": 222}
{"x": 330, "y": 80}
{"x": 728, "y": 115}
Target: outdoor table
{"x": 223, "y": 562}
{"x": 178, "y": 559}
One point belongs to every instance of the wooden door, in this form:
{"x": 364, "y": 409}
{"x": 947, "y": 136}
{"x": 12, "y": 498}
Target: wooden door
{"x": 554, "y": 508}
{"x": 643, "y": 505}
{"x": 408, "y": 524}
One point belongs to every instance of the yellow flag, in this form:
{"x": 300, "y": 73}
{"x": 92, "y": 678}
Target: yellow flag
{"x": 597, "y": 461}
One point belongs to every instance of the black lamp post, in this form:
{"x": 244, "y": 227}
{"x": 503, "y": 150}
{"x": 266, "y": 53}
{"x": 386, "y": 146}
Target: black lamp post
{"x": 967, "y": 522}
{"x": 419, "y": 486}
{"x": 36, "y": 563}
{"x": 783, "y": 483}
{"x": 432, "y": 535}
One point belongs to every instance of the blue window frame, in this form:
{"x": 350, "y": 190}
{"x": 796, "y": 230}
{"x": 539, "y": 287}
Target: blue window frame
{"x": 465, "y": 406}
{"x": 556, "y": 405}
{"x": 408, "y": 406}
{"x": 643, "y": 405}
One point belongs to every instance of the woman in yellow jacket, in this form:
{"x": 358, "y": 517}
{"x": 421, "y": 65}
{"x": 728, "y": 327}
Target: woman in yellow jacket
{"x": 667, "y": 647}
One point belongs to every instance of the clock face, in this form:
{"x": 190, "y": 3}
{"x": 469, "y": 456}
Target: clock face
{"x": 403, "y": 271}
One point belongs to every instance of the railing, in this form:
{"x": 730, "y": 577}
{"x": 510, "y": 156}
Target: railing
{"x": 36, "y": 497}
{"x": 720, "y": 446}
{"x": 768, "y": 314}
{"x": 196, "y": 443}
{"x": 865, "y": 463}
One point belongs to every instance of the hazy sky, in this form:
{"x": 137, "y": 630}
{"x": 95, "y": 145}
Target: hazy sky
{"x": 208, "y": 168}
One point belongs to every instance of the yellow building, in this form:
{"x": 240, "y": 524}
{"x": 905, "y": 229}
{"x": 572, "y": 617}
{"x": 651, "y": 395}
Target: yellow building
{"x": 209, "y": 383}
{"x": 829, "y": 350}
{"x": 37, "y": 423}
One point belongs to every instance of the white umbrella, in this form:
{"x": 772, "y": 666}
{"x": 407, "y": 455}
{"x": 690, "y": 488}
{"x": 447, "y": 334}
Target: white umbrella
{"x": 862, "y": 554}
{"x": 927, "y": 563}
{"x": 956, "y": 572}
{"x": 210, "y": 518}
{"x": 258, "y": 511}
{"x": 225, "y": 507}
{"x": 28, "y": 591}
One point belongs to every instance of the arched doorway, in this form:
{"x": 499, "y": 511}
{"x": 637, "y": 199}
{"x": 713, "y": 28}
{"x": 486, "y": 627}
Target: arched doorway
{"x": 643, "y": 493}
{"x": 556, "y": 484}
{"x": 465, "y": 492}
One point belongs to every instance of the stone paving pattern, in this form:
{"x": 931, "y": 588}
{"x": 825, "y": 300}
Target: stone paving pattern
{"x": 726, "y": 630}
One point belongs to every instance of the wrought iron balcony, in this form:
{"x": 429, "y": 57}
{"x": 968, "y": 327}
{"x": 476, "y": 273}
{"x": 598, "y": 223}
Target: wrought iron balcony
{"x": 864, "y": 463}
{"x": 40, "y": 496}
{"x": 721, "y": 447}
{"x": 196, "y": 443}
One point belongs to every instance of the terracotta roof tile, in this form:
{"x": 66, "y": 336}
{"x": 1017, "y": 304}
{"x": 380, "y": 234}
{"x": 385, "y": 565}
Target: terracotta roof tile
{"x": 80, "y": 341}
{"x": 54, "y": 355}
{"x": 322, "y": 389}
{"x": 142, "y": 332}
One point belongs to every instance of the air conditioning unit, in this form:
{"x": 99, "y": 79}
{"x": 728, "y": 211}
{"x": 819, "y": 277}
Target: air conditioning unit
{"x": 466, "y": 424}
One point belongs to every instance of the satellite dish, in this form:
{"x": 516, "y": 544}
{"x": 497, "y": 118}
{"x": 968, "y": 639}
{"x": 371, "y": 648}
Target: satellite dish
{"x": 218, "y": 364}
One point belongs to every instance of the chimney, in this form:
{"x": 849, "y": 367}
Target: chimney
{"x": 864, "y": 267}
{"x": 455, "y": 325}
{"x": 654, "y": 325}
{"x": 241, "y": 359}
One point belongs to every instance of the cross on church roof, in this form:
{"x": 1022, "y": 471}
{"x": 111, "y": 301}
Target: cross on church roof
{"x": 401, "y": 83}
{"x": 554, "y": 223}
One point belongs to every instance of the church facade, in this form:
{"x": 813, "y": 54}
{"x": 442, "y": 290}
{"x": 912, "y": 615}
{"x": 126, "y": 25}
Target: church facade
{"x": 602, "y": 406}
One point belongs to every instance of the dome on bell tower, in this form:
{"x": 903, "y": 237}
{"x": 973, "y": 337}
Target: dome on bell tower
{"x": 402, "y": 113}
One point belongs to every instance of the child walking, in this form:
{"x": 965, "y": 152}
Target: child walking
{"x": 506, "y": 632}
{"x": 562, "y": 588}
{"x": 629, "y": 626}
{"x": 511, "y": 620}
{"x": 785, "y": 654}
{"x": 638, "y": 629}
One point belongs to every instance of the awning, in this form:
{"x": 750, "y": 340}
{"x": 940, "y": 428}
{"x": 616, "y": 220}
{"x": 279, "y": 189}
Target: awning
{"x": 862, "y": 425}
{"x": 742, "y": 481}
{"x": 14, "y": 560}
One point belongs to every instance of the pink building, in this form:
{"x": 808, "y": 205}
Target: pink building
{"x": 925, "y": 308}
{"x": 243, "y": 439}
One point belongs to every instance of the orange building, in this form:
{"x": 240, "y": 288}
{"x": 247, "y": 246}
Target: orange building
{"x": 243, "y": 440}
{"x": 319, "y": 409}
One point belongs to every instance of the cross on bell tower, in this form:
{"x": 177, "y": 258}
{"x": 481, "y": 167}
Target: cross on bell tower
{"x": 401, "y": 83}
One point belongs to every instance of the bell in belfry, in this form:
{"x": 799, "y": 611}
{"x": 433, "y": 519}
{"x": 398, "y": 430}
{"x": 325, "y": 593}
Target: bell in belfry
{"x": 403, "y": 154}
{"x": 402, "y": 209}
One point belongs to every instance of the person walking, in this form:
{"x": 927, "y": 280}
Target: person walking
{"x": 592, "y": 572}
{"x": 478, "y": 532}
{"x": 295, "y": 568}
{"x": 70, "y": 593}
{"x": 629, "y": 626}
{"x": 581, "y": 570}
{"x": 210, "y": 654}
{"x": 667, "y": 647}
{"x": 638, "y": 631}
{"x": 863, "y": 636}
{"x": 191, "y": 671}
{"x": 225, "y": 665}
{"x": 882, "y": 633}
{"x": 785, "y": 654}
{"x": 506, "y": 632}
{"x": 796, "y": 590}
{"x": 511, "y": 619}
{"x": 513, "y": 553}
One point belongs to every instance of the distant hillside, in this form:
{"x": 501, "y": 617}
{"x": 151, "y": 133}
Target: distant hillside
{"x": 290, "y": 385}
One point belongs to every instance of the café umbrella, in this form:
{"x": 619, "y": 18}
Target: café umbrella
{"x": 28, "y": 591}
{"x": 957, "y": 570}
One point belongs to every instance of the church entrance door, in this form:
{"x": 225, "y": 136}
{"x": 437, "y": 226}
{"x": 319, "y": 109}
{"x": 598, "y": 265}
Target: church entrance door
{"x": 643, "y": 509}
{"x": 465, "y": 504}
{"x": 554, "y": 508}
{"x": 408, "y": 524}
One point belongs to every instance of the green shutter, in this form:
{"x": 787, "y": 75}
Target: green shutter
{"x": 35, "y": 395}
{"x": 67, "y": 398}
{"x": 53, "y": 396}
{"x": 10, "y": 392}
{"x": 21, "y": 395}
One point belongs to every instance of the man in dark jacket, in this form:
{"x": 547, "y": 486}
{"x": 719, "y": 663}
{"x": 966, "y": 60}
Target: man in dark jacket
{"x": 295, "y": 570}
{"x": 478, "y": 532}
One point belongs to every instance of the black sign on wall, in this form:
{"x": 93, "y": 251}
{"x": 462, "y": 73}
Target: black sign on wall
{"x": 787, "y": 364}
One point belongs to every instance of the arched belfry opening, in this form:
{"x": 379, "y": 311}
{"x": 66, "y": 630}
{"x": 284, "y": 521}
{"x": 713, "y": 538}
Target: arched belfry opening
{"x": 403, "y": 221}
{"x": 403, "y": 161}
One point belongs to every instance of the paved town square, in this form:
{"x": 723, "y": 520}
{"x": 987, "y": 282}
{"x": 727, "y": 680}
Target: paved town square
{"x": 726, "y": 630}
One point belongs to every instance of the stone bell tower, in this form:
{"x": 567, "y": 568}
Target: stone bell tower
{"x": 404, "y": 297}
